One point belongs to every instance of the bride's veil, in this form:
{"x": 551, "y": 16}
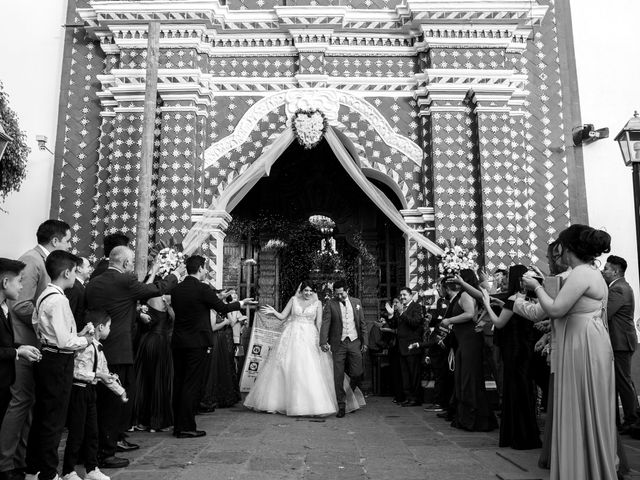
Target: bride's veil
{"x": 300, "y": 297}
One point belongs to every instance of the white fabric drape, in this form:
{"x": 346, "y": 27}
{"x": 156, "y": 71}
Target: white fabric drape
{"x": 262, "y": 167}
{"x": 376, "y": 196}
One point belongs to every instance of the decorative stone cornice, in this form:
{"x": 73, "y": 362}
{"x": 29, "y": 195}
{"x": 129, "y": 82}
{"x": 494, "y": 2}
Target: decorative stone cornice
{"x": 123, "y": 89}
{"x": 419, "y": 218}
{"x": 408, "y": 29}
{"x": 446, "y": 89}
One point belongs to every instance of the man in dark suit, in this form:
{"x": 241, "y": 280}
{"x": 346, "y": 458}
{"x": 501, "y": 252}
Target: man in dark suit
{"x": 410, "y": 326}
{"x": 109, "y": 242}
{"x": 622, "y": 331}
{"x": 51, "y": 235}
{"x": 117, "y": 292}
{"x": 76, "y": 294}
{"x": 344, "y": 332}
{"x": 10, "y": 286}
{"x": 192, "y": 301}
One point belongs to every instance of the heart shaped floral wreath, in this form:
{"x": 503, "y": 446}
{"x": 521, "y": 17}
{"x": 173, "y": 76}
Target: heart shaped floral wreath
{"x": 309, "y": 127}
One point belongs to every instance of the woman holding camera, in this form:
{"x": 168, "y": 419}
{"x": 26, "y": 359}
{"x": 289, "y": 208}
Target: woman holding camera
{"x": 519, "y": 425}
{"x": 583, "y": 443}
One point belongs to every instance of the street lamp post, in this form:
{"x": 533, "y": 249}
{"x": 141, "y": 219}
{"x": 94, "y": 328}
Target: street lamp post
{"x": 629, "y": 141}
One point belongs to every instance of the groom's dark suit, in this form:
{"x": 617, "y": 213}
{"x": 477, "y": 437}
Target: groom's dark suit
{"x": 347, "y": 355}
{"x": 192, "y": 301}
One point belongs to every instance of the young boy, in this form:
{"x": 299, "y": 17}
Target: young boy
{"x": 10, "y": 286}
{"x": 55, "y": 328}
{"x": 90, "y": 366}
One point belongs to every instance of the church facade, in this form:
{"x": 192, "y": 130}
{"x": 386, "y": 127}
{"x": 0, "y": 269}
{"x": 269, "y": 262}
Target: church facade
{"x": 459, "y": 111}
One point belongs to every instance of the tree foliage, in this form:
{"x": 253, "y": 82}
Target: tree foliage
{"x": 13, "y": 165}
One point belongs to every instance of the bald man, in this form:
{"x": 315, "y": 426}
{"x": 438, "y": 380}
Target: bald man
{"x": 118, "y": 291}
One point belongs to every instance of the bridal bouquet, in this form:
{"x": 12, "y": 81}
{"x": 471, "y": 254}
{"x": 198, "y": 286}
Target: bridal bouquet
{"x": 170, "y": 259}
{"x": 455, "y": 259}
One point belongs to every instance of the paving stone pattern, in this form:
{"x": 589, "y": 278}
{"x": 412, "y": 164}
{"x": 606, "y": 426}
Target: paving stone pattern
{"x": 381, "y": 441}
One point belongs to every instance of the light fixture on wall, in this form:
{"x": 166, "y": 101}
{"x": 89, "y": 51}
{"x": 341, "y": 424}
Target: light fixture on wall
{"x": 4, "y": 141}
{"x": 586, "y": 134}
{"x": 42, "y": 143}
{"x": 629, "y": 141}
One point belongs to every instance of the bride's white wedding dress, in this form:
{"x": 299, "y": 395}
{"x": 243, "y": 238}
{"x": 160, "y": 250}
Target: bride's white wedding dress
{"x": 297, "y": 378}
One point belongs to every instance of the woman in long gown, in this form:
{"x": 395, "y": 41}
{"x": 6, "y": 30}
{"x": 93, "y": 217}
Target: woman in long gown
{"x": 297, "y": 378}
{"x": 519, "y": 424}
{"x": 221, "y": 387}
{"x": 583, "y": 443}
{"x": 472, "y": 411}
{"x": 154, "y": 369}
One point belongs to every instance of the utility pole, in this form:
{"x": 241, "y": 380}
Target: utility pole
{"x": 146, "y": 157}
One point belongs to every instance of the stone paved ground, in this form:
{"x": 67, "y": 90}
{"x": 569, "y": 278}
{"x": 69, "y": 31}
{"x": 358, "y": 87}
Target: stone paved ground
{"x": 381, "y": 441}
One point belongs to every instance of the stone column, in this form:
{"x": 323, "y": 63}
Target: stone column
{"x": 503, "y": 181}
{"x": 447, "y": 123}
{"x": 213, "y": 248}
{"x": 180, "y": 152}
{"x": 420, "y": 263}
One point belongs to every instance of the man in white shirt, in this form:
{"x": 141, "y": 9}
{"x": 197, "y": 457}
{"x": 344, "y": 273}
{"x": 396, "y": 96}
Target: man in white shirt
{"x": 52, "y": 235}
{"x": 344, "y": 333}
{"x": 55, "y": 328}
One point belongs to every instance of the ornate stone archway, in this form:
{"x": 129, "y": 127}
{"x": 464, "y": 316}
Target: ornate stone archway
{"x": 483, "y": 90}
{"x": 210, "y": 229}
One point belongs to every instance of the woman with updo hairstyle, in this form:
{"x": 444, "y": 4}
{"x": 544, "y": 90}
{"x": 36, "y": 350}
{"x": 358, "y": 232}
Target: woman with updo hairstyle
{"x": 472, "y": 411}
{"x": 583, "y": 438}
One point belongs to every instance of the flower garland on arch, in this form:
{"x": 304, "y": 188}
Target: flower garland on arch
{"x": 309, "y": 127}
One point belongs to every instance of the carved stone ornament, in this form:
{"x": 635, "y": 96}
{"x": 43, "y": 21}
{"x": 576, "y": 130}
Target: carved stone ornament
{"x": 309, "y": 127}
{"x": 326, "y": 100}
{"x": 323, "y": 100}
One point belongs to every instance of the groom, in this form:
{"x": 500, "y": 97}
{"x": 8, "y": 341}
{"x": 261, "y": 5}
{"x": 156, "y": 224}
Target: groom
{"x": 343, "y": 333}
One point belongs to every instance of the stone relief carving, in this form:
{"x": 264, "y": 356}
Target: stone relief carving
{"x": 326, "y": 100}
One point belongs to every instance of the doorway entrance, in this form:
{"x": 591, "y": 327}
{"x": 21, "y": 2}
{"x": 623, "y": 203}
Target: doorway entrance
{"x": 303, "y": 183}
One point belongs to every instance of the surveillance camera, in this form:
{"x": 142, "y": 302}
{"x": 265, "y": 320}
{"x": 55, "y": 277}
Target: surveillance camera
{"x": 585, "y": 134}
{"x": 42, "y": 142}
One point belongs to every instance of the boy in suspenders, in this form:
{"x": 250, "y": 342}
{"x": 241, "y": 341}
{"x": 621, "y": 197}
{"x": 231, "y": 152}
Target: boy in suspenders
{"x": 55, "y": 328}
{"x": 90, "y": 366}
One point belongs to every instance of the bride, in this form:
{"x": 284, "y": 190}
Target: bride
{"x": 297, "y": 378}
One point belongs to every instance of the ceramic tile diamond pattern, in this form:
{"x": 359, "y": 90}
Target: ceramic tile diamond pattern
{"x": 81, "y": 140}
{"x": 175, "y": 174}
{"x": 497, "y": 180}
{"x": 455, "y": 178}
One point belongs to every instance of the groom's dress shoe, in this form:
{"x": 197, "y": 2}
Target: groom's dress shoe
{"x": 113, "y": 462}
{"x": 340, "y": 413}
{"x": 124, "y": 446}
{"x": 193, "y": 434}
